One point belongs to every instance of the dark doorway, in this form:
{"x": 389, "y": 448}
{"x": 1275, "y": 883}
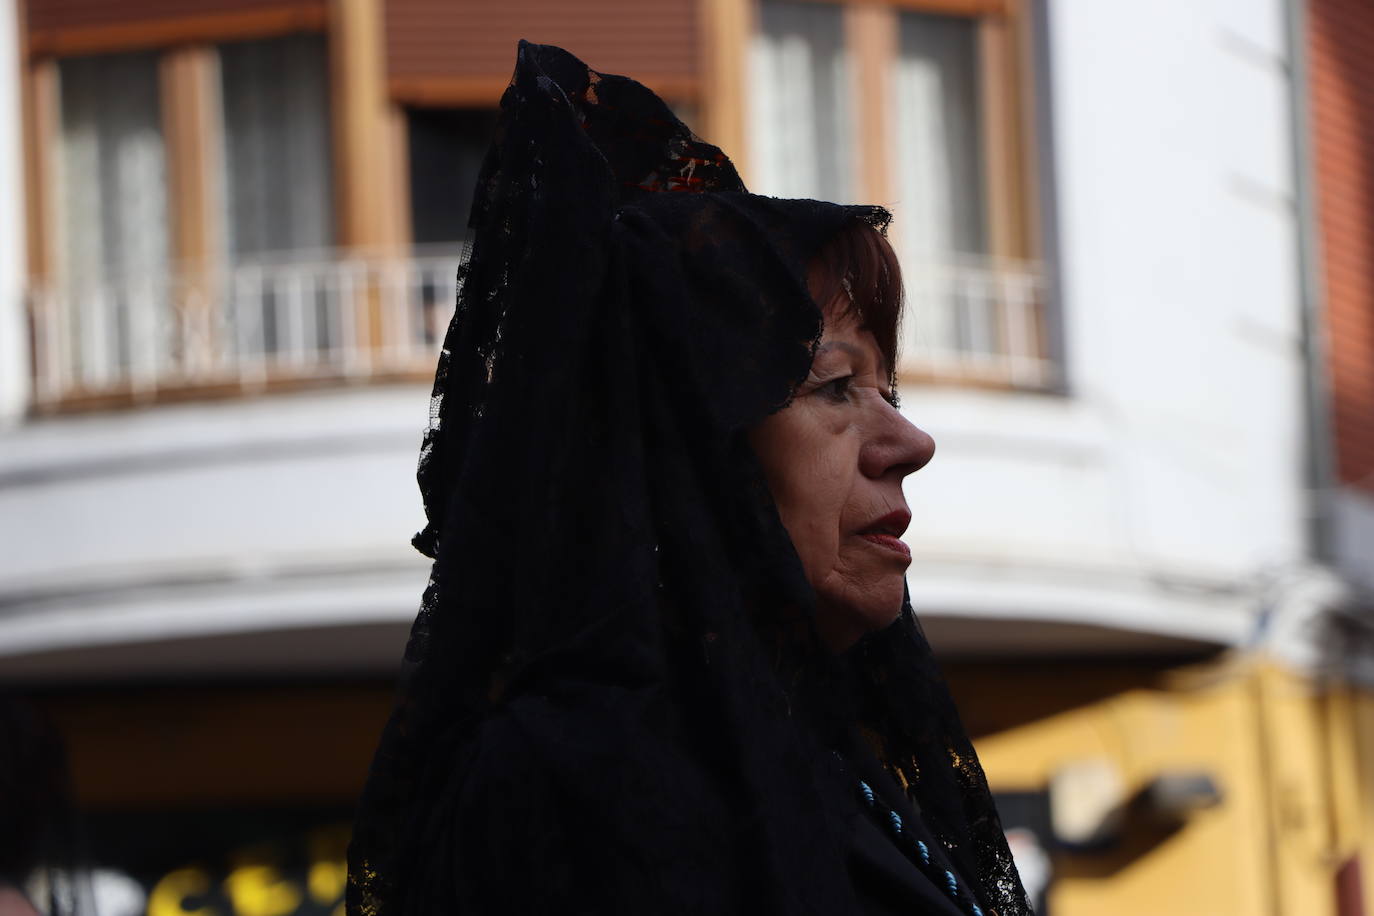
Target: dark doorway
{"x": 446, "y": 150}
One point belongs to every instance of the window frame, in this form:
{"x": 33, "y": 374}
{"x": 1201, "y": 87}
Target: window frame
{"x": 367, "y": 140}
{"x": 1004, "y": 114}
{"x": 1006, "y": 120}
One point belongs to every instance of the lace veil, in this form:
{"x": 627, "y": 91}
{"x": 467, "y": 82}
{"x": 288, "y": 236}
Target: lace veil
{"x": 614, "y": 699}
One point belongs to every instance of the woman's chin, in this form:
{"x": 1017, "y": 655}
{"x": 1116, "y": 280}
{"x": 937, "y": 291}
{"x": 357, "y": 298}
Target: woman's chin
{"x": 844, "y": 622}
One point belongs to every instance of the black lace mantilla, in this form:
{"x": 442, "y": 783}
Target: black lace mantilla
{"x": 614, "y": 700}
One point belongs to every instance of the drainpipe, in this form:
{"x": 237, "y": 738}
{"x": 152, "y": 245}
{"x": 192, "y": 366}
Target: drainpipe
{"x": 1319, "y": 477}
{"x": 1320, "y": 471}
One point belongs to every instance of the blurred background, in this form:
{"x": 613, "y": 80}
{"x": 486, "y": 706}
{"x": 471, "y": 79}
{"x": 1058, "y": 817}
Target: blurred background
{"x": 1138, "y": 240}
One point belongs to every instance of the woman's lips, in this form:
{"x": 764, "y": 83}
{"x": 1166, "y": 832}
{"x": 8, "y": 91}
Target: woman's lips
{"x": 889, "y": 542}
{"x": 887, "y": 531}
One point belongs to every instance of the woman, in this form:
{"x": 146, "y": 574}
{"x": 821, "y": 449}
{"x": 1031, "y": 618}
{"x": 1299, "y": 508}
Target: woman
{"x": 665, "y": 662}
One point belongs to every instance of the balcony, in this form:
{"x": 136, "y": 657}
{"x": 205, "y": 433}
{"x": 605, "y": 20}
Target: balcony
{"x": 977, "y": 321}
{"x": 289, "y": 322}
{"x": 338, "y": 318}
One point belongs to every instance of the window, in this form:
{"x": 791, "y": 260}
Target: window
{"x": 447, "y": 146}
{"x": 966, "y": 310}
{"x": 801, "y": 125}
{"x": 112, "y": 236}
{"x": 887, "y": 103}
{"x": 195, "y": 225}
{"x": 114, "y": 201}
{"x": 938, "y": 154}
{"x": 277, "y": 192}
{"x": 277, "y": 172}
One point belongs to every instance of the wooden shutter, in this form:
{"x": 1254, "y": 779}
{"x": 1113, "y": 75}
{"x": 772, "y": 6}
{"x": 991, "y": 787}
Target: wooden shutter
{"x": 462, "y": 52}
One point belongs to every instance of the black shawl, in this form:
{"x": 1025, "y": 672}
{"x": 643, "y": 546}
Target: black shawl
{"x": 614, "y": 699}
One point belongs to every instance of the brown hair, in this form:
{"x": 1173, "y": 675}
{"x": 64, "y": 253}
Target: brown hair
{"x": 857, "y": 273}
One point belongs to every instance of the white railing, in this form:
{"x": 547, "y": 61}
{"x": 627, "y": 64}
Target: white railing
{"x": 328, "y": 316}
{"x": 977, "y": 319}
{"x": 340, "y": 316}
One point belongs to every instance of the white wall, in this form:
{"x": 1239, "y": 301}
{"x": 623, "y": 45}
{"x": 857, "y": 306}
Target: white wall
{"x": 188, "y": 521}
{"x": 1173, "y": 471}
{"x": 14, "y": 353}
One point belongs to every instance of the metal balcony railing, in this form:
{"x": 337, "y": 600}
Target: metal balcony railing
{"x": 977, "y": 319}
{"x": 340, "y": 316}
{"x": 247, "y": 327}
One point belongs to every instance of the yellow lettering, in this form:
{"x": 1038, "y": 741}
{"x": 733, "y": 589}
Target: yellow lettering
{"x": 169, "y": 895}
{"x": 328, "y": 866}
{"x": 260, "y": 890}
{"x": 326, "y": 881}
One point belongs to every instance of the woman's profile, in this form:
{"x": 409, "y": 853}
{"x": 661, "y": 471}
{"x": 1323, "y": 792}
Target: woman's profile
{"x": 666, "y": 662}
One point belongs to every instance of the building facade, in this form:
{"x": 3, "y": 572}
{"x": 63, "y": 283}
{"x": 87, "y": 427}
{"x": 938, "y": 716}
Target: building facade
{"x": 1138, "y": 273}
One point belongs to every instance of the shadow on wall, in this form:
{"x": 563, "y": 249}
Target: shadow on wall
{"x": 1000, "y": 696}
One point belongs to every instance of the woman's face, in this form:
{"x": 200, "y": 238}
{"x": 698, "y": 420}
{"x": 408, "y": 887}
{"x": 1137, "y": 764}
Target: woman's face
{"x": 835, "y": 459}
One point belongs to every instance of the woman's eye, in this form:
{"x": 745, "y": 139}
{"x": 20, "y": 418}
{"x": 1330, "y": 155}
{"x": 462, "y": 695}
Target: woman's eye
{"x": 836, "y": 389}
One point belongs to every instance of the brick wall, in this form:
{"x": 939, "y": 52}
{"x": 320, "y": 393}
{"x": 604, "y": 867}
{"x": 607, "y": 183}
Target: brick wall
{"x": 655, "y": 41}
{"x": 1341, "y": 50}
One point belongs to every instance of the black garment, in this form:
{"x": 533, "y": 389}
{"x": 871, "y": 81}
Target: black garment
{"x": 886, "y": 879}
{"x": 886, "y": 882}
{"x": 615, "y": 699}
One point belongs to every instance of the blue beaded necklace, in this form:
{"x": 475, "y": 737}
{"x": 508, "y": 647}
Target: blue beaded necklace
{"x": 919, "y": 853}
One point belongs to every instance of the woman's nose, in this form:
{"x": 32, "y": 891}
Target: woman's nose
{"x": 896, "y": 446}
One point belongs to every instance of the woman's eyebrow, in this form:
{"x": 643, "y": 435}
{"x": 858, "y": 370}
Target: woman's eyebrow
{"x": 856, "y": 352}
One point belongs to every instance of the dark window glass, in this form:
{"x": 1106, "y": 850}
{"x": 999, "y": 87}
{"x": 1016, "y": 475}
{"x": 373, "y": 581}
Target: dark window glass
{"x": 446, "y": 150}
